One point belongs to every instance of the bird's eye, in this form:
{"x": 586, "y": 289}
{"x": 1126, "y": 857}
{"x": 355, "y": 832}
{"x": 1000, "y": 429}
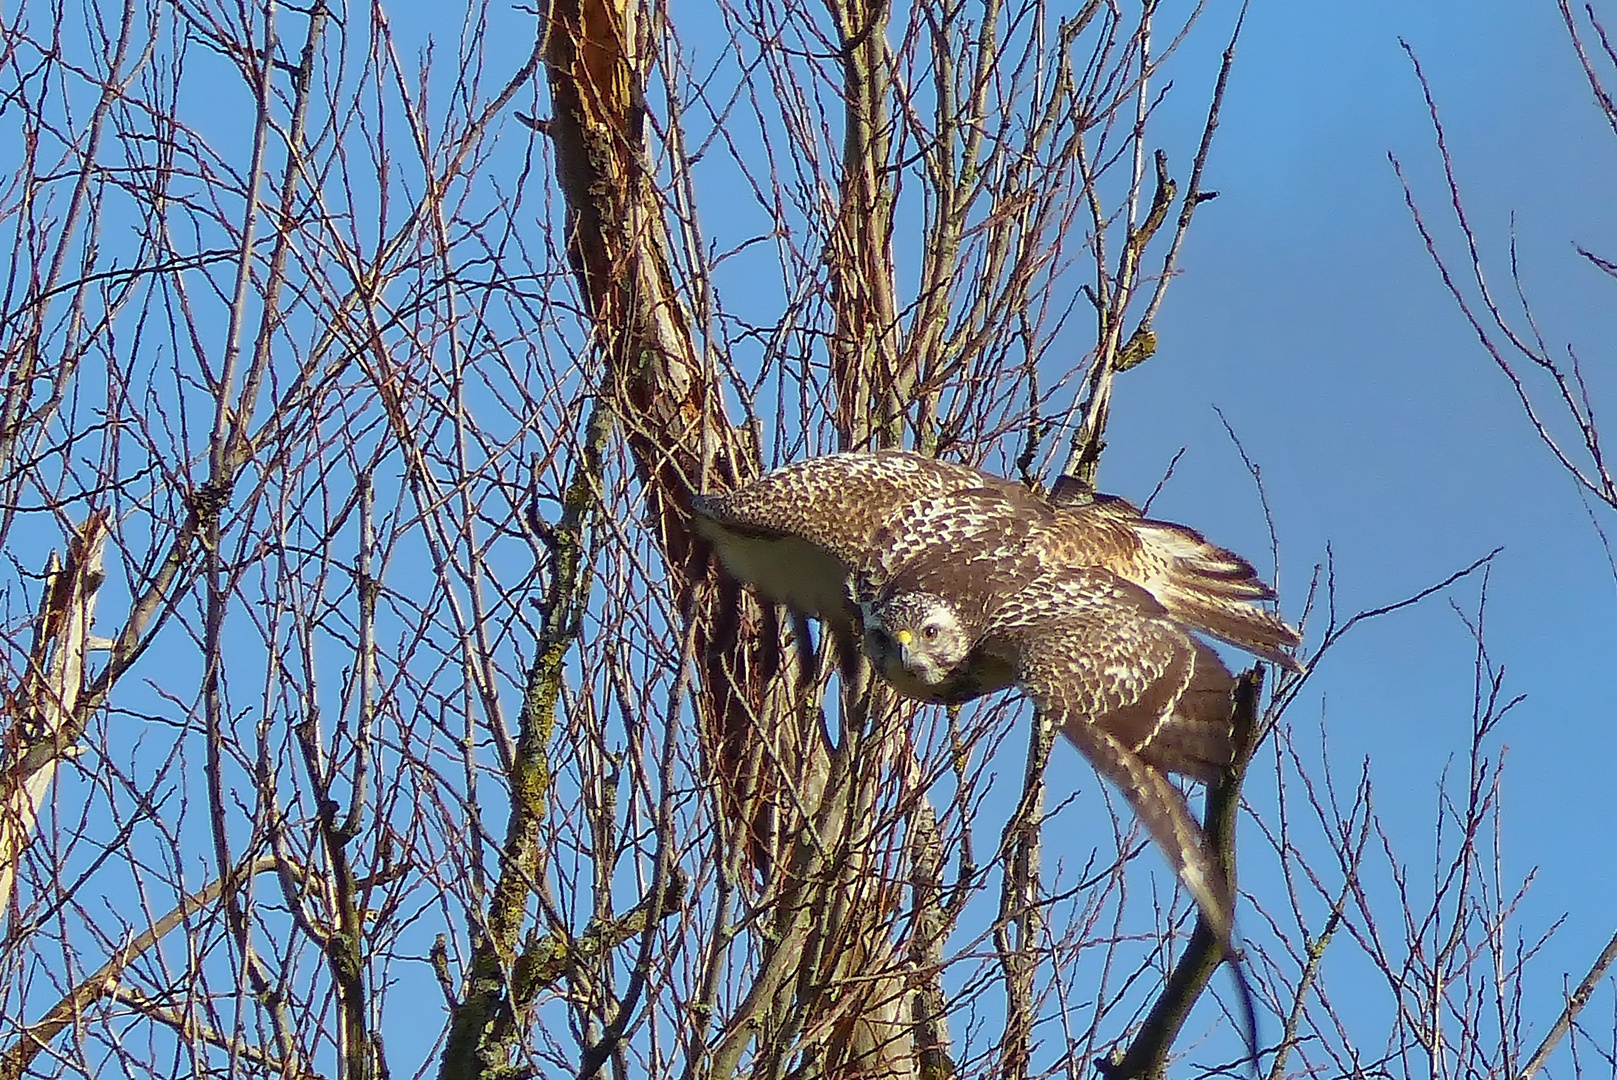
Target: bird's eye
{"x": 930, "y": 632}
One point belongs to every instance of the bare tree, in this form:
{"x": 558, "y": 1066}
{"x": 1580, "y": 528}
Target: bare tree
{"x": 363, "y": 389}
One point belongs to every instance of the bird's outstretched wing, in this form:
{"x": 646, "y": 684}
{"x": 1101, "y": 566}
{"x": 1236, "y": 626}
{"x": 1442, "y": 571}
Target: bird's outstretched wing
{"x": 978, "y": 545}
{"x": 1205, "y": 587}
{"x": 798, "y": 533}
{"x": 897, "y": 520}
{"x": 1138, "y": 696}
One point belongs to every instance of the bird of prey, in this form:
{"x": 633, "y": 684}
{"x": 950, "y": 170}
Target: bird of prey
{"x": 798, "y": 534}
{"x": 961, "y": 583}
{"x": 803, "y": 533}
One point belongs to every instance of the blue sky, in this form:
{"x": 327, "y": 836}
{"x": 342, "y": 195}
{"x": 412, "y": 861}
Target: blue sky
{"x": 1309, "y": 312}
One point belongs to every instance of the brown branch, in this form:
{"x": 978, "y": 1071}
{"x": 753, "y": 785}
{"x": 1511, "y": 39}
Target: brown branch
{"x": 550, "y": 960}
{"x": 1595, "y": 476}
{"x": 874, "y": 385}
{"x": 1147, "y": 1055}
{"x": 1019, "y": 909}
{"x": 483, "y": 1026}
{"x": 16, "y": 1059}
{"x": 931, "y": 1007}
{"x": 1112, "y": 297}
{"x": 1574, "y": 1005}
{"x": 667, "y": 396}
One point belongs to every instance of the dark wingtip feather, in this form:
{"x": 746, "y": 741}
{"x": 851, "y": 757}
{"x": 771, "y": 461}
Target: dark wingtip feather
{"x": 1250, "y": 628}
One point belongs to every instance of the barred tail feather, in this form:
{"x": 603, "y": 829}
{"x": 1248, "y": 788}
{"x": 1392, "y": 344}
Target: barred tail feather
{"x": 1195, "y": 738}
{"x": 1242, "y": 625}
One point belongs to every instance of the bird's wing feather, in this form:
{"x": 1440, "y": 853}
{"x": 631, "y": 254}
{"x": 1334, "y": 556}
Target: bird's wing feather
{"x": 1203, "y": 586}
{"x": 1138, "y": 697}
{"x": 798, "y": 532}
{"x": 896, "y": 519}
{"x": 974, "y": 546}
{"x": 838, "y": 501}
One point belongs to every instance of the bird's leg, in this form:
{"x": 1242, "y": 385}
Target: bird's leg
{"x": 808, "y": 666}
{"x": 852, "y": 659}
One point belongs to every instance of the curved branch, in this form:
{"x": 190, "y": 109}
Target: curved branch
{"x": 16, "y": 1059}
{"x": 1147, "y": 1055}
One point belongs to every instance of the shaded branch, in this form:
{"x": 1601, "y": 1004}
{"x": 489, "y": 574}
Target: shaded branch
{"x": 16, "y": 1060}
{"x": 1147, "y": 1055}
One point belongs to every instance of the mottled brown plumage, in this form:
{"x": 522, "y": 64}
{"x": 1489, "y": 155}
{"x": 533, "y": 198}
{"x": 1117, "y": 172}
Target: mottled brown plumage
{"x": 991, "y": 540}
{"x": 963, "y": 583}
{"x": 798, "y": 533}
{"x": 801, "y": 532}
{"x": 1104, "y": 662}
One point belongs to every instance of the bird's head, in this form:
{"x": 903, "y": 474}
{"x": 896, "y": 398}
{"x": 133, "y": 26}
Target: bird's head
{"x": 915, "y": 637}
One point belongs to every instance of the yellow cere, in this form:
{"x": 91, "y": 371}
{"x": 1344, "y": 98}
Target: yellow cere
{"x": 904, "y": 637}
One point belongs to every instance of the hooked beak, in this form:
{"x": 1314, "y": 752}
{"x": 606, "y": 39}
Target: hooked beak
{"x": 903, "y": 638}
